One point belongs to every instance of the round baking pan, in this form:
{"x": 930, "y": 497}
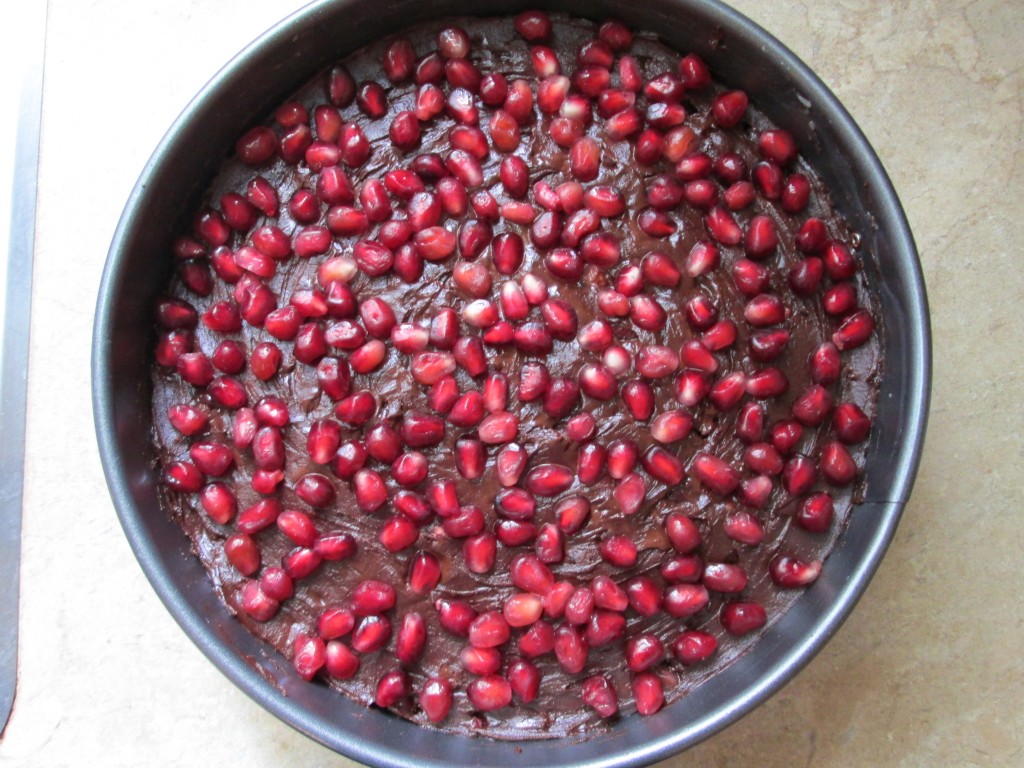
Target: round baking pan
{"x": 741, "y": 55}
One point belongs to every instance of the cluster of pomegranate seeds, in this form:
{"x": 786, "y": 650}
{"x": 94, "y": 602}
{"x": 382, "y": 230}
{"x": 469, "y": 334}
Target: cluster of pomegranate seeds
{"x": 533, "y": 380}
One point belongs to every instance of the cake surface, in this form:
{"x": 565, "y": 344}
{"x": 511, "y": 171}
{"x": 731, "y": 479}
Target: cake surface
{"x": 514, "y": 447}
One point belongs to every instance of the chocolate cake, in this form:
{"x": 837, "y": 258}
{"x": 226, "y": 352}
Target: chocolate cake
{"x": 514, "y": 376}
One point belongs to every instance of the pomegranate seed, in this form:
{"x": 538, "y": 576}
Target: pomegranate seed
{"x": 723, "y": 577}
{"x": 571, "y": 649}
{"x": 658, "y": 269}
{"x": 243, "y": 553}
{"x": 308, "y": 655}
{"x": 682, "y": 533}
{"x": 812, "y": 236}
{"x": 742, "y": 617}
{"x": 691, "y": 387}
{"x": 682, "y": 570}
{"x": 790, "y": 572}
{"x": 629, "y": 493}
{"x": 785, "y": 436}
{"x": 796, "y": 193}
{"x": 816, "y": 513}
{"x": 663, "y": 466}
{"x": 715, "y": 474}
{"x": 519, "y": 102}
{"x": 507, "y": 253}
{"x": 777, "y": 145}
{"x": 548, "y": 480}
{"x": 470, "y": 457}
{"x": 647, "y": 313}
{"x": 656, "y": 362}
{"x": 480, "y": 661}
{"x": 469, "y": 354}
{"x": 682, "y": 600}
{"x": 371, "y": 634}
{"x": 825, "y": 364}
{"x": 648, "y": 693}
{"x": 638, "y": 398}
{"x": 623, "y": 124}
{"x": 854, "y": 331}
{"x": 664, "y": 193}
{"x": 728, "y": 108}
{"x": 341, "y": 662}
{"x": 836, "y": 464}
{"x": 840, "y": 299}
{"x": 644, "y": 596}
{"x": 489, "y": 693}
{"x": 479, "y": 552}
{"x": 561, "y": 398}
{"x": 598, "y": 382}
{"x": 723, "y": 227}
{"x": 372, "y": 100}
{"x": 692, "y": 647}
{"x": 798, "y": 475}
{"x": 590, "y": 463}
{"x": 585, "y": 159}
{"x": 768, "y": 179}
{"x": 677, "y": 143}
{"x": 851, "y": 424}
{"x": 643, "y": 651}
{"x": 499, "y": 427}
{"x": 671, "y": 426}
{"x": 811, "y": 408}
{"x": 370, "y": 491}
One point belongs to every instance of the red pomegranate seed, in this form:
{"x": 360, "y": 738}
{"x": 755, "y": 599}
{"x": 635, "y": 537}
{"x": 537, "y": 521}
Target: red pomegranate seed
{"x": 507, "y": 253}
{"x": 722, "y": 226}
{"x": 308, "y": 655}
{"x": 811, "y": 408}
{"x": 480, "y": 661}
{"x": 682, "y": 600}
{"x": 816, "y": 513}
{"x": 648, "y": 693}
{"x": 671, "y": 426}
{"x": 371, "y": 99}
{"x": 581, "y": 427}
{"x": 643, "y": 651}
{"x": 785, "y": 436}
{"x": 257, "y": 145}
{"x": 677, "y": 143}
{"x": 590, "y": 463}
{"x": 630, "y": 492}
{"x": 796, "y": 193}
{"x": 663, "y": 466}
{"x": 682, "y": 533}
{"x": 686, "y": 569}
{"x": 479, "y": 552}
{"x": 728, "y": 108}
{"x": 497, "y": 428}
{"x": 851, "y": 424}
{"x": 489, "y": 693}
{"x": 854, "y": 331}
{"x": 840, "y": 299}
{"x": 693, "y": 646}
{"x": 243, "y": 553}
{"x": 724, "y": 577}
{"x": 510, "y": 463}
{"x": 798, "y": 475}
{"x": 791, "y": 572}
{"x": 715, "y": 474}
{"x": 836, "y": 464}
{"x": 742, "y": 617}
{"x": 585, "y": 159}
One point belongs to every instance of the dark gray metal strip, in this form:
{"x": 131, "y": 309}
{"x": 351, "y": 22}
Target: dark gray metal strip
{"x": 22, "y": 60}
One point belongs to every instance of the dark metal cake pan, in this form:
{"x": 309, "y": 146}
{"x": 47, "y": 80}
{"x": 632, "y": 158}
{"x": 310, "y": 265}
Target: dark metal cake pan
{"x": 740, "y": 54}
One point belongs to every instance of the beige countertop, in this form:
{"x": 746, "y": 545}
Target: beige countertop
{"x": 928, "y": 671}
